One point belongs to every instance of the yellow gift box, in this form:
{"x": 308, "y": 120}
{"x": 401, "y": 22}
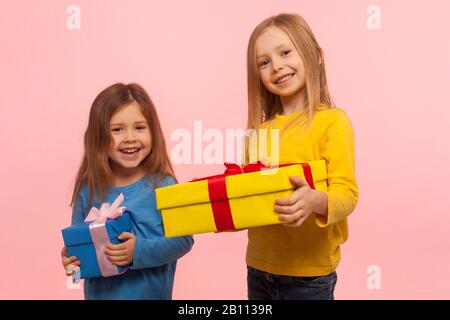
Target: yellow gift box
{"x": 239, "y": 198}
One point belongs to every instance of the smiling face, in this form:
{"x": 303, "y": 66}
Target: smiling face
{"x": 132, "y": 141}
{"x": 280, "y": 66}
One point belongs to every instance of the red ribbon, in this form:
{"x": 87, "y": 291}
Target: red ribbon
{"x": 217, "y": 190}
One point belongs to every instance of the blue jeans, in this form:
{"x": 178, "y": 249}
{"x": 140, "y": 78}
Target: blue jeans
{"x": 267, "y": 286}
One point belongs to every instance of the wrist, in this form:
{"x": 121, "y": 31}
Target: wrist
{"x": 319, "y": 202}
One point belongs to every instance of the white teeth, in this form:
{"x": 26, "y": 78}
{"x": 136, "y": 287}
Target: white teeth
{"x": 284, "y": 78}
{"x": 129, "y": 150}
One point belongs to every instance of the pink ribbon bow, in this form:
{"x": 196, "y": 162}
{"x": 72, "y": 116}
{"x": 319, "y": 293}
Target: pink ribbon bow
{"x": 107, "y": 211}
{"x": 99, "y": 234}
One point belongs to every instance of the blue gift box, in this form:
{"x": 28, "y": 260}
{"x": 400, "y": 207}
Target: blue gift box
{"x": 78, "y": 242}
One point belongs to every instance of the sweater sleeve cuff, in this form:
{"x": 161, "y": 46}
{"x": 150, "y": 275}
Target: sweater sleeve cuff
{"x": 321, "y": 221}
{"x": 324, "y": 221}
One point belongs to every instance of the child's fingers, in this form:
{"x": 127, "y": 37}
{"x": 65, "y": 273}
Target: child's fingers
{"x": 116, "y": 252}
{"x": 69, "y": 260}
{"x": 122, "y": 262}
{"x": 72, "y": 269}
{"x": 289, "y": 218}
{"x": 288, "y": 209}
{"x": 74, "y": 263}
{"x": 126, "y": 235}
{"x": 72, "y": 258}
{"x": 117, "y": 258}
{"x": 288, "y": 201}
{"x": 298, "y": 182}
{"x": 119, "y": 246}
{"x": 296, "y": 223}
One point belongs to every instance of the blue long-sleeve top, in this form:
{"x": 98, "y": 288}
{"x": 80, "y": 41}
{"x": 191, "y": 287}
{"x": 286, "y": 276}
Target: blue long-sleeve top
{"x": 151, "y": 274}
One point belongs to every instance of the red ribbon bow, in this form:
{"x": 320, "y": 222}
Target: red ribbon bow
{"x": 217, "y": 190}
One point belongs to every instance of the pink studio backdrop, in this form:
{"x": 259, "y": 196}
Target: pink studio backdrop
{"x": 190, "y": 56}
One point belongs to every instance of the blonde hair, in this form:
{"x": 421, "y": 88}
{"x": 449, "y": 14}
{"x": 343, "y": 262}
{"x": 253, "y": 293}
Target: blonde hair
{"x": 95, "y": 169}
{"x": 263, "y": 105}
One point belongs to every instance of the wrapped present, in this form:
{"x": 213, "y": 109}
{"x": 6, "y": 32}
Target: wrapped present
{"x": 88, "y": 241}
{"x": 240, "y": 198}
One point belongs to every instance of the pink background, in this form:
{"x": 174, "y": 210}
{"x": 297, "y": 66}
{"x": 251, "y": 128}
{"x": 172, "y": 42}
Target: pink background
{"x": 190, "y": 56}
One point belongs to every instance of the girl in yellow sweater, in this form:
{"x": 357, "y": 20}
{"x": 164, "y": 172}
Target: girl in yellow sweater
{"x": 287, "y": 90}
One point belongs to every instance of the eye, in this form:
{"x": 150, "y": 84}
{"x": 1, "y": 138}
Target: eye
{"x": 285, "y": 52}
{"x": 263, "y": 63}
{"x": 141, "y": 127}
{"x": 116, "y": 130}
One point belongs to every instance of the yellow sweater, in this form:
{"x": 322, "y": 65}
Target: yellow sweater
{"x": 313, "y": 248}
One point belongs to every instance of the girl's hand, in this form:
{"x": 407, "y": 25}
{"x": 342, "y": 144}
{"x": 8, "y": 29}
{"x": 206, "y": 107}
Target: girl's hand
{"x": 296, "y": 208}
{"x": 68, "y": 261}
{"x": 122, "y": 254}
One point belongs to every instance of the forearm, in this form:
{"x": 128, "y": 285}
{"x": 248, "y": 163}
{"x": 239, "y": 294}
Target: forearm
{"x": 155, "y": 252}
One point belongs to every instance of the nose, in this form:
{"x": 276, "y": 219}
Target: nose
{"x": 129, "y": 136}
{"x": 276, "y": 65}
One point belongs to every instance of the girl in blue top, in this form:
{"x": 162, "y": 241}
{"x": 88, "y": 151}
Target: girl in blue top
{"x": 125, "y": 153}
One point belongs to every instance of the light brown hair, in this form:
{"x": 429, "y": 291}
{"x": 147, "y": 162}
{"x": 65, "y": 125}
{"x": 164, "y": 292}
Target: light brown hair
{"x": 95, "y": 170}
{"x": 263, "y": 105}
